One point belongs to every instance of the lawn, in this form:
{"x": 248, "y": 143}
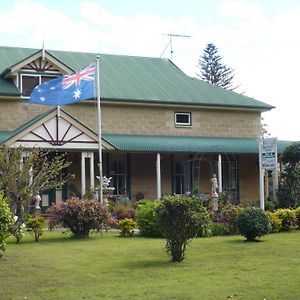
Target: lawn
{"x": 110, "y": 267}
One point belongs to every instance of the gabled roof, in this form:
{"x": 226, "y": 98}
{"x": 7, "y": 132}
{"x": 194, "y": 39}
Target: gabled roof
{"x": 54, "y": 129}
{"x": 140, "y": 79}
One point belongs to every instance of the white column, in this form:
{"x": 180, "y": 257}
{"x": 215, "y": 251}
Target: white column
{"x": 92, "y": 171}
{"x": 220, "y": 173}
{"x": 83, "y": 179}
{"x": 158, "y": 177}
{"x": 261, "y": 179}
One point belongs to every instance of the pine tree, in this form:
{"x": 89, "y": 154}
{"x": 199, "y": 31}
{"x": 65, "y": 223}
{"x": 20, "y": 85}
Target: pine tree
{"x": 213, "y": 70}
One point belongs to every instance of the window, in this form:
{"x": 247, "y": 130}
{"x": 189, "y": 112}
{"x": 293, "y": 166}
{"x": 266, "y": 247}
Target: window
{"x": 181, "y": 174}
{"x": 183, "y": 118}
{"x": 118, "y": 171}
{"x": 28, "y": 82}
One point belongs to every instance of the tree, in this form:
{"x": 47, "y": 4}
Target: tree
{"x": 24, "y": 174}
{"x": 180, "y": 218}
{"x": 288, "y": 192}
{"x": 213, "y": 70}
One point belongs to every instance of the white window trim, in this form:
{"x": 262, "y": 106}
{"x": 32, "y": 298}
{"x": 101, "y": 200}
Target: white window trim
{"x": 189, "y": 114}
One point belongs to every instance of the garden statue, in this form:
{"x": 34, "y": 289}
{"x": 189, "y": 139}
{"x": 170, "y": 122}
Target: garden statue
{"x": 106, "y": 182}
{"x": 214, "y": 186}
{"x": 37, "y": 200}
{"x": 214, "y": 194}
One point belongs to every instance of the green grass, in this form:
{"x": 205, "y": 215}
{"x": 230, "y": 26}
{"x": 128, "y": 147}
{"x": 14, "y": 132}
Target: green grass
{"x": 110, "y": 267}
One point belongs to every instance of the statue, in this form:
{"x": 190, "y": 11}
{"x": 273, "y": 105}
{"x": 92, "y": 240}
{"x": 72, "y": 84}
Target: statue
{"x": 37, "y": 200}
{"x": 214, "y": 194}
{"x": 214, "y": 186}
{"x": 105, "y": 181}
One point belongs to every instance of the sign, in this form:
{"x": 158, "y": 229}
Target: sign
{"x": 269, "y": 154}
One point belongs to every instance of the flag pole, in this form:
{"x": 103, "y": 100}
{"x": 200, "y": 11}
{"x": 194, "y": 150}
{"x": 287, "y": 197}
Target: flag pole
{"x": 99, "y": 126}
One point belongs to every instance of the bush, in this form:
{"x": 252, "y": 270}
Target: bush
{"x": 275, "y": 221}
{"x": 146, "y": 218}
{"x": 126, "y": 227}
{"x": 6, "y": 222}
{"x": 79, "y": 215}
{"x": 217, "y": 229}
{"x": 180, "y": 218}
{"x": 252, "y": 223}
{"x": 297, "y": 211}
{"x": 288, "y": 218}
{"x": 228, "y": 218}
{"x": 121, "y": 212}
{"x": 36, "y": 225}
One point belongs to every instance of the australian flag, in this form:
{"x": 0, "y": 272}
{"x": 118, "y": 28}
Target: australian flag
{"x": 66, "y": 89}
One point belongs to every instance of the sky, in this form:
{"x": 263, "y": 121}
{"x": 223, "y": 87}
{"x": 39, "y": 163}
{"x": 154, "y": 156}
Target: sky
{"x": 259, "y": 39}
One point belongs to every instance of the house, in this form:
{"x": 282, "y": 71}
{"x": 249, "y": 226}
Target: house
{"x": 163, "y": 131}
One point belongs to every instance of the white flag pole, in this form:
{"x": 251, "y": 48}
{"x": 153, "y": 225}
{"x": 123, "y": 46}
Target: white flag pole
{"x": 261, "y": 177}
{"x": 99, "y": 126}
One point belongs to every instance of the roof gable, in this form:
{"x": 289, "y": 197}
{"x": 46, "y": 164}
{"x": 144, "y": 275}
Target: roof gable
{"x": 55, "y": 129}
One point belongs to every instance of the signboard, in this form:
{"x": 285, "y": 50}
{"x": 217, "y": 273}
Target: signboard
{"x": 269, "y": 154}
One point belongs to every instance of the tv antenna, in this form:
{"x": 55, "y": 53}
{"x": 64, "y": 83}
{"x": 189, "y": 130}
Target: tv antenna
{"x": 171, "y": 35}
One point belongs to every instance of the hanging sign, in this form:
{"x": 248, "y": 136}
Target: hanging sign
{"x": 269, "y": 154}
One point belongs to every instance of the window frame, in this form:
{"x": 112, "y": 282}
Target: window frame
{"x": 189, "y": 114}
{"x": 21, "y": 75}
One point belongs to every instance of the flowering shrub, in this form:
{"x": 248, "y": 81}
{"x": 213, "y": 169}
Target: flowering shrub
{"x": 275, "y": 222}
{"x": 297, "y": 211}
{"x": 121, "y": 212}
{"x": 6, "y": 221}
{"x": 228, "y": 217}
{"x": 36, "y": 225}
{"x": 288, "y": 218}
{"x": 79, "y": 215}
{"x": 126, "y": 227}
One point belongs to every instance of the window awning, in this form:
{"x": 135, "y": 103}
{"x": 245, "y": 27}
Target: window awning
{"x": 188, "y": 144}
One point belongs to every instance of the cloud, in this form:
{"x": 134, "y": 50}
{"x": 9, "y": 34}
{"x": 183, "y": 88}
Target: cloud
{"x": 262, "y": 48}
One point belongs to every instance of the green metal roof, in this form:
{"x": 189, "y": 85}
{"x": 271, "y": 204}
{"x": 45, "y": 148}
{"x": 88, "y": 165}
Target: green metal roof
{"x": 140, "y": 79}
{"x": 4, "y": 135}
{"x": 187, "y": 144}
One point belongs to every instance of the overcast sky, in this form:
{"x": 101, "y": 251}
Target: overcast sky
{"x": 259, "y": 39}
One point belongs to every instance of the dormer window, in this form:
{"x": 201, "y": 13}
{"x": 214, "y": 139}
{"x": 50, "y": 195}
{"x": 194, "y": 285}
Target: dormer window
{"x": 29, "y": 81}
{"x": 183, "y": 119}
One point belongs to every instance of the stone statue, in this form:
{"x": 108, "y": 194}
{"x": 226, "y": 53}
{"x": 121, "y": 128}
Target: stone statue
{"x": 37, "y": 200}
{"x": 214, "y": 186}
{"x": 106, "y": 182}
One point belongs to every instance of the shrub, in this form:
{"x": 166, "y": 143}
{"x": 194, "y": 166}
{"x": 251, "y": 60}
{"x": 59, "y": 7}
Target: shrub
{"x": 275, "y": 222}
{"x": 126, "y": 227}
{"x": 217, "y": 229}
{"x": 6, "y": 222}
{"x": 121, "y": 212}
{"x": 228, "y": 218}
{"x": 288, "y": 218}
{"x": 180, "y": 218}
{"x": 297, "y": 211}
{"x": 79, "y": 215}
{"x": 146, "y": 218}
{"x": 252, "y": 223}
{"x": 36, "y": 225}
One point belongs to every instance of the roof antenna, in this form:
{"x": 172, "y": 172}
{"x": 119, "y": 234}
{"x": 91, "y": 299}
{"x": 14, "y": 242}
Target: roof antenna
{"x": 43, "y": 51}
{"x": 171, "y": 35}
